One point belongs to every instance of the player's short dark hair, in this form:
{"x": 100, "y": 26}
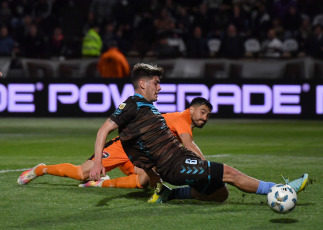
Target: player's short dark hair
{"x": 201, "y": 101}
{"x": 142, "y": 70}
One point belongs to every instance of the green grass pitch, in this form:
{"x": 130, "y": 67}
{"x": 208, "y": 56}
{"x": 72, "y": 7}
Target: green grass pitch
{"x": 265, "y": 149}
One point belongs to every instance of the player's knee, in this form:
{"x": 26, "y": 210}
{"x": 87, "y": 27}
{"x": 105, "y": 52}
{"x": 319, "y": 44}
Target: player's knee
{"x": 143, "y": 179}
{"x": 220, "y": 195}
{"x": 86, "y": 169}
{"x": 223, "y": 194}
{"x": 144, "y": 183}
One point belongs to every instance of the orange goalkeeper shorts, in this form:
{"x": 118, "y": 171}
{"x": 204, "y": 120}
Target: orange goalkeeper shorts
{"x": 114, "y": 156}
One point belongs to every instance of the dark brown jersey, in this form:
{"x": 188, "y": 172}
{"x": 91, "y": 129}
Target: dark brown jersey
{"x": 143, "y": 132}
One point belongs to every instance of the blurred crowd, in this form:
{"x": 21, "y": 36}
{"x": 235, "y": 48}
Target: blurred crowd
{"x": 231, "y": 29}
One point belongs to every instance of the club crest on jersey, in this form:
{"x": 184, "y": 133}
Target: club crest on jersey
{"x": 105, "y": 155}
{"x": 121, "y": 106}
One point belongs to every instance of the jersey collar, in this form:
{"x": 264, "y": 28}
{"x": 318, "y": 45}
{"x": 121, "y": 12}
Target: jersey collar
{"x": 138, "y": 95}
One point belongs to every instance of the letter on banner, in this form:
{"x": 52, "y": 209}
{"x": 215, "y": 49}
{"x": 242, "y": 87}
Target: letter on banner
{"x": 126, "y": 92}
{"x": 218, "y": 99}
{"x": 166, "y": 102}
{"x": 200, "y": 89}
{"x": 248, "y": 90}
{"x": 319, "y": 99}
{"x": 286, "y": 99}
{"x": 3, "y": 98}
{"x": 95, "y": 88}
{"x": 21, "y": 98}
{"x": 53, "y": 95}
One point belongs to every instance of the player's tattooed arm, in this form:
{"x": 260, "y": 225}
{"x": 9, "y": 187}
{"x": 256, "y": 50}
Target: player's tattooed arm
{"x": 107, "y": 127}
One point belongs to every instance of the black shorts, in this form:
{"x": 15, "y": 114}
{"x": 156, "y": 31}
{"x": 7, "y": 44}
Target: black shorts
{"x": 188, "y": 169}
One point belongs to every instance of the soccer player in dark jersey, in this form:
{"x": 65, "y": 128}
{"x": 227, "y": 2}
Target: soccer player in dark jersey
{"x": 181, "y": 124}
{"x": 150, "y": 145}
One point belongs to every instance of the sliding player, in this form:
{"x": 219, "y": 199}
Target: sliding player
{"x": 151, "y": 146}
{"x": 181, "y": 125}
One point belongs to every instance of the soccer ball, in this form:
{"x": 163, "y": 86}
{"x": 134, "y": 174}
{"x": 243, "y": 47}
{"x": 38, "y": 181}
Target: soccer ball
{"x": 282, "y": 198}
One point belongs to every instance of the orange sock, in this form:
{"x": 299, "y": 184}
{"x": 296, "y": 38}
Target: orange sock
{"x": 123, "y": 182}
{"x": 62, "y": 170}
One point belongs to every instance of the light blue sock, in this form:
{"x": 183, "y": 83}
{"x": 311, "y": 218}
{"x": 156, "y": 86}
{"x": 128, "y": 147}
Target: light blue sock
{"x": 264, "y": 187}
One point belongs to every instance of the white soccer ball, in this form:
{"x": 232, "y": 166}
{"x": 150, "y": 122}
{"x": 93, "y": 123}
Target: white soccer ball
{"x": 282, "y": 198}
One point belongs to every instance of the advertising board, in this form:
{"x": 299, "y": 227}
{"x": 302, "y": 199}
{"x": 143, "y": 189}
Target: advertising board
{"x": 100, "y": 98}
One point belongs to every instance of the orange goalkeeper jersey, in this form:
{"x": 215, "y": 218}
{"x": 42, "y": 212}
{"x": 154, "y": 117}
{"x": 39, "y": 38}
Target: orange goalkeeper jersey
{"x": 179, "y": 122}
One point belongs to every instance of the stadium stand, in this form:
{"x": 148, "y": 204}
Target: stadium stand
{"x": 137, "y": 26}
{"x": 214, "y": 46}
{"x": 290, "y": 47}
{"x": 252, "y": 48}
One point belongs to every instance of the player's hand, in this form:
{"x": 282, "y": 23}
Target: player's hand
{"x": 153, "y": 183}
{"x": 96, "y": 171}
{"x": 154, "y": 179}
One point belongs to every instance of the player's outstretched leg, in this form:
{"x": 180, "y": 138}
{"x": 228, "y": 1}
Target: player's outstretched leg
{"x": 77, "y": 172}
{"x": 28, "y": 175}
{"x": 231, "y": 176}
{"x": 252, "y": 185}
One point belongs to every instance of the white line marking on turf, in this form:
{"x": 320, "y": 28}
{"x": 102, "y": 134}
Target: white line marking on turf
{"x": 249, "y": 155}
{"x": 12, "y": 170}
{"x": 207, "y": 156}
{"x": 219, "y": 155}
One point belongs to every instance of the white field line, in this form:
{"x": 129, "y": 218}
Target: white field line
{"x": 219, "y": 155}
{"x": 248, "y": 155}
{"x": 208, "y": 156}
{"x": 12, "y": 170}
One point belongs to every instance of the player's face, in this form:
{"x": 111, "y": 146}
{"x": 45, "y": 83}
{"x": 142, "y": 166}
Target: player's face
{"x": 152, "y": 89}
{"x": 199, "y": 115}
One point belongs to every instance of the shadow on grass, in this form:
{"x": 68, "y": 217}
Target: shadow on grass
{"x": 101, "y": 208}
{"x": 140, "y": 195}
{"x": 145, "y": 195}
{"x": 56, "y": 184}
{"x": 284, "y": 221}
